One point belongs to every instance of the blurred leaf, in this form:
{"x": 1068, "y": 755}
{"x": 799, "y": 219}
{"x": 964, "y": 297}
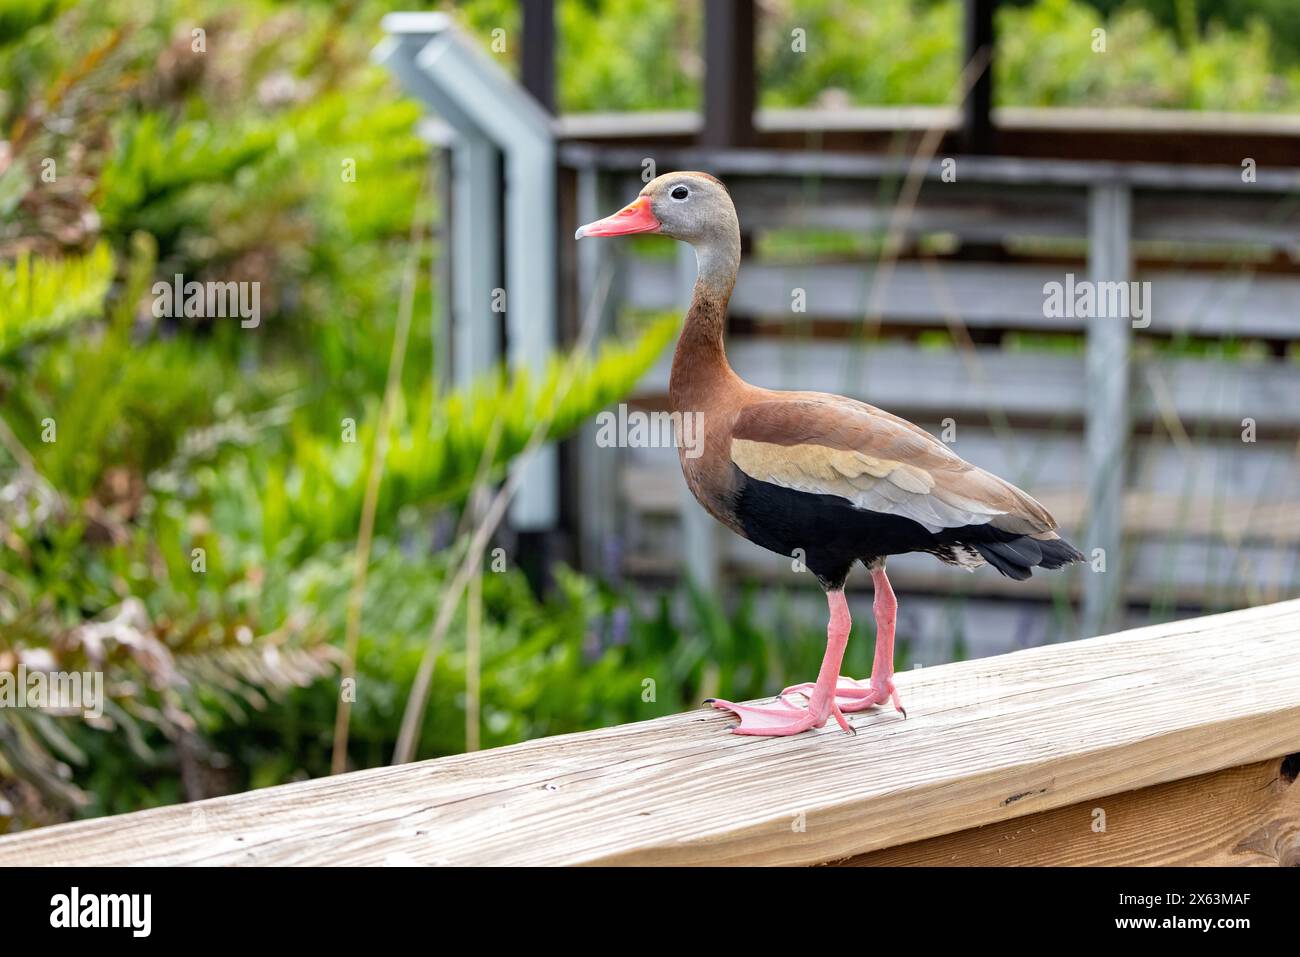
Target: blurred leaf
{"x": 40, "y": 296}
{"x": 17, "y": 17}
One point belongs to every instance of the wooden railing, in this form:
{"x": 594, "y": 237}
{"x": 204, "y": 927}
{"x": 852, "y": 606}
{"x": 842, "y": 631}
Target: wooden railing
{"x": 1173, "y": 744}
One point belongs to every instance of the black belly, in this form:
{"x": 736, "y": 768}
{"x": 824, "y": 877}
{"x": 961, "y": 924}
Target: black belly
{"x": 830, "y": 534}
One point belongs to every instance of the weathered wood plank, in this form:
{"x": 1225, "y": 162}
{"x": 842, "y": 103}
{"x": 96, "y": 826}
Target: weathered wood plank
{"x": 1007, "y": 170}
{"x": 973, "y": 212}
{"x": 985, "y": 212}
{"x": 1224, "y": 218}
{"x": 1242, "y": 816}
{"x": 989, "y": 296}
{"x": 657, "y": 124}
{"x": 985, "y": 741}
{"x": 1028, "y": 384}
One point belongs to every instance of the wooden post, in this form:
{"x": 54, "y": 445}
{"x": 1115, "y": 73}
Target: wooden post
{"x": 598, "y": 468}
{"x": 1106, "y": 415}
{"x": 977, "y": 124}
{"x": 729, "y": 80}
{"x": 538, "y": 67}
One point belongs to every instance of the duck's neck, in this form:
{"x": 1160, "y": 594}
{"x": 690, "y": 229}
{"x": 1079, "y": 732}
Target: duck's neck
{"x": 700, "y": 363}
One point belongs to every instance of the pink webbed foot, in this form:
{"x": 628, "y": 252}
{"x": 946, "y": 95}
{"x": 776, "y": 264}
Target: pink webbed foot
{"x": 777, "y": 719}
{"x": 852, "y": 695}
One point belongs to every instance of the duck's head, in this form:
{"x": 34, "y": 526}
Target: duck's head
{"x": 692, "y": 207}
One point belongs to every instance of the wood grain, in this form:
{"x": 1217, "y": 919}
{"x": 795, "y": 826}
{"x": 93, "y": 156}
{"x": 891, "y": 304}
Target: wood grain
{"x": 1242, "y": 816}
{"x": 985, "y": 741}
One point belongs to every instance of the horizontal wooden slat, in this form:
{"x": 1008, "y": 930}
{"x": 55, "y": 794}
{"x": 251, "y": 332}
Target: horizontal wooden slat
{"x": 989, "y": 212}
{"x": 985, "y": 296}
{"x": 971, "y": 212}
{"x": 1238, "y": 817}
{"x": 1228, "y": 304}
{"x": 597, "y": 125}
{"x": 1032, "y": 384}
{"x": 989, "y": 296}
{"x": 993, "y": 214}
{"x": 1007, "y": 170}
{"x": 1209, "y": 218}
{"x": 984, "y": 741}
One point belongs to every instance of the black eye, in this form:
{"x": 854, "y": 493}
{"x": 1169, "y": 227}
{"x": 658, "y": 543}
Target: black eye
{"x": 680, "y": 192}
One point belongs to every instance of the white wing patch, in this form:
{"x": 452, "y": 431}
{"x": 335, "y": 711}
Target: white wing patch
{"x": 878, "y": 485}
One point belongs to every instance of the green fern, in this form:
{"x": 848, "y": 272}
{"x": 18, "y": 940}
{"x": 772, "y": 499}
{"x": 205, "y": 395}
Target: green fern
{"x": 39, "y": 296}
{"x": 156, "y": 161}
{"x": 435, "y": 447}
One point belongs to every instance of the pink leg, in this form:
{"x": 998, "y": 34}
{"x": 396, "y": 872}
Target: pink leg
{"x": 783, "y": 717}
{"x": 851, "y": 695}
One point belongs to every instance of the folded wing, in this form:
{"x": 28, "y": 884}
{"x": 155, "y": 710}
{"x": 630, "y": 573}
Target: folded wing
{"x": 828, "y": 445}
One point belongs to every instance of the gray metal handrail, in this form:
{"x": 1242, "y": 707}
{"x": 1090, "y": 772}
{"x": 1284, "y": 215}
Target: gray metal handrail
{"x": 493, "y": 117}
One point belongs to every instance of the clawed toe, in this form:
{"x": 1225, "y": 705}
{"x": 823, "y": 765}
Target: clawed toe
{"x": 779, "y": 718}
{"x": 770, "y": 720}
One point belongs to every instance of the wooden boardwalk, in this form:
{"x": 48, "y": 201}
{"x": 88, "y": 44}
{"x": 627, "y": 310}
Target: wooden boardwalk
{"x": 1172, "y": 744}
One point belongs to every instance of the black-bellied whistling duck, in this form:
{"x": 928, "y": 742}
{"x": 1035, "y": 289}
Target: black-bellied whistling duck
{"x": 831, "y": 479}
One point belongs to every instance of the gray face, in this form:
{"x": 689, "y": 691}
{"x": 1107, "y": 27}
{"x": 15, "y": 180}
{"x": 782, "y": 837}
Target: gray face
{"x": 692, "y": 208}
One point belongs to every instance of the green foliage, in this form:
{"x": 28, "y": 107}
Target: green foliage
{"x": 1046, "y": 59}
{"x": 276, "y": 572}
{"x": 618, "y": 55}
{"x": 436, "y": 446}
{"x": 178, "y": 497}
{"x": 117, "y": 402}
{"x": 40, "y": 296}
{"x": 637, "y": 51}
{"x": 887, "y": 52}
{"x": 17, "y": 17}
{"x": 1187, "y": 18}
{"x": 154, "y": 163}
